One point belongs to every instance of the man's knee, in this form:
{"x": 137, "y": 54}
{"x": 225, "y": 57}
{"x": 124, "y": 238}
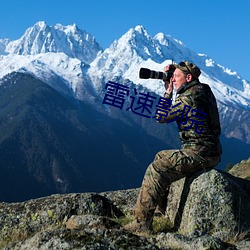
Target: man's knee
{"x": 164, "y": 154}
{"x": 162, "y": 161}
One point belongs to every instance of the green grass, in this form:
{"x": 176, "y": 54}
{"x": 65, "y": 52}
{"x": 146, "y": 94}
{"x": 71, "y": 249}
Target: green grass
{"x": 160, "y": 223}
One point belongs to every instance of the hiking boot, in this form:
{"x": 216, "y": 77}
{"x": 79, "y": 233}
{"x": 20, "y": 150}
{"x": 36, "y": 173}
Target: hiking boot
{"x": 140, "y": 227}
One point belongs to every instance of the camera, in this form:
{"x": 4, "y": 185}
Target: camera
{"x": 145, "y": 73}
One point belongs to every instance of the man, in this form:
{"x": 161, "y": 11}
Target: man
{"x": 195, "y": 111}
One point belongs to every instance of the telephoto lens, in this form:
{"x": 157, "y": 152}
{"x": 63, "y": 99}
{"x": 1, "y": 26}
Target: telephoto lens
{"x": 147, "y": 73}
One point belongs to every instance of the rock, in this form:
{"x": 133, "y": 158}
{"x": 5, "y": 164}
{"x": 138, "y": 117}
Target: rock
{"x": 212, "y": 202}
{"x": 63, "y": 239}
{"x": 243, "y": 245}
{"x": 178, "y": 241}
{"x": 241, "y": 169}
{"x": 124, "y": 199}
{"x": 20, "y": 220}
{"x": 209, "y": 210}
{"x": 90, "y": 221}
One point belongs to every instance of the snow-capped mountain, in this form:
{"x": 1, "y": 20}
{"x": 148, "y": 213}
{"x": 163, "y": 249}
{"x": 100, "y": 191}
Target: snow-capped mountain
{"x": 137, "y": 49}
{"x": 41, "y": 38}
{"x": 64, "y": 73}
{"x": 75, "y": 56}
{"x": 3, "y": 43}
{"x": 50, "y": 54}
{"x": 50, "y": 141}
{"x": 71, "y": 61}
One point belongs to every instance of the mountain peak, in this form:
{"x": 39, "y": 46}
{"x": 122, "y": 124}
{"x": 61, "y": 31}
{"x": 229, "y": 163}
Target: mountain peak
{"x": 166, "y": 39}
{"x": 41, "y": 24}
{"x": 69, "y": 28}
{"x": 42, "y": 38}
{"x": 140, "y": 29}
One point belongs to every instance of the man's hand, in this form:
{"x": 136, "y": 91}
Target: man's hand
{"x": 168, "y": 85}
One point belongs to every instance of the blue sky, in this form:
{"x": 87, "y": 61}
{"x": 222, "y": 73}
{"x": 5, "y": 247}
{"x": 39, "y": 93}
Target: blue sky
{"x": 218, "y": 28}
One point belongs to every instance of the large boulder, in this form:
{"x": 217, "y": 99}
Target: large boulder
{"x": 241, "y": 169}
{"x": 19, "y": 221}
{"x": 209, "y": 210}
{"x": 210, "y": 202}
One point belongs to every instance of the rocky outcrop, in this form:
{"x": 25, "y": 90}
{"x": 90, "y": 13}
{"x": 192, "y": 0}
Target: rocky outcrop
{"x": 211, "y": 202}
{"x": 209, "y": 210}
{"x": 241, "y": 169}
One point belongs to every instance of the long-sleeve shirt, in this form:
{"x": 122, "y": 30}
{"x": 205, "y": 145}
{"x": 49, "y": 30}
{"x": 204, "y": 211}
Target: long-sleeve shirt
{"x": 196, "y": 114}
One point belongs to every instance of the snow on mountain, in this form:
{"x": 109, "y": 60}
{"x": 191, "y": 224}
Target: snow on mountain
{"x": 132, "y": 49}
{"x": 137, "y": 49}
{"x": 63, "y": 73}
{"x": 72, "y": 55}
{"x": 57, "y": 55}
{"x": 42, "y": 38}
{"x": 3, "y": 43}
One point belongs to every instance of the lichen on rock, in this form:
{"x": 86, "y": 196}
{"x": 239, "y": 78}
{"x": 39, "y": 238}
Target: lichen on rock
{"x": 211, "y": 202}
{"x": 209, "y": 210}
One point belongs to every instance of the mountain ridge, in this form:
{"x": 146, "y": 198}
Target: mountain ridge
{"x": 124, "y": 57}
{"x": 55, "y": 144}
{"x": 74, "y": 134}
{"x": 42, "y": 38}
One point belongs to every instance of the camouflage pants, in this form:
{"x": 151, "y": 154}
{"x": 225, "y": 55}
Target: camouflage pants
{"x": 167, "y": 167}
